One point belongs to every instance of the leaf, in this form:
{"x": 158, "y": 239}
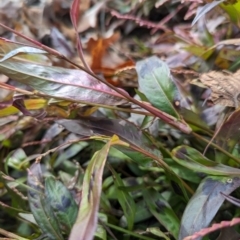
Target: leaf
{"x": 39, "y": 205}
{"x": 125, "y": 200}
{"x": 9, "y": 49}
{"x": 62, "y": 203}
{"x": 205, "y": 203}
{"x": 225, "y": 87}
{"x": 30, "y": 104}
{"x": 155, "y": 81}
{"x": 97, "y": 49}
{"x": 206, "y": 8}
{"x": 156, "y": 231}
{"x": 127, "y": 132}
{"x": 22, "y": 50}
{"x": 229, "y": 135}
{"x": 232, "y": 8}
{"x": 194, "y": 160}
{"x": 62, "y": 83}
{"x": 144, "y": 150}
{"x": 162, "y": 211}
{"x": 86, "y": 222}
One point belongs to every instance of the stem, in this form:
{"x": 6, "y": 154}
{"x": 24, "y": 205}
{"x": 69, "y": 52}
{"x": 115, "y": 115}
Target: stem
{"x": 216, "y": 146}
{"x": 179, "y": 124}
{"x": 138, "y": 236}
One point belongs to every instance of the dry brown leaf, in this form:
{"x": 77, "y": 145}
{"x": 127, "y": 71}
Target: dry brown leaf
{"x": 225, "y": 87}
{"x": 98, "y": 47}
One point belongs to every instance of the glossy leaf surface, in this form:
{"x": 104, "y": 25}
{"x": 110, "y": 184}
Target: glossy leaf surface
{"x": 86, "y": 222}
{"x": 205, "y": 203}
{"x": 155, "y": 81}
{"x": 62, "y": 83}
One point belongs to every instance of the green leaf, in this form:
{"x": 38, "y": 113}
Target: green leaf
{"x": 126, "y": 201}
{"x": 205, "y": 203}
{"x": 40, "y": 206}
{"x": 156, "y": 231}
{"x": 62, "y": 203}
{"x": 233, "y": 10}
{"x": 194, "y": 160}
{"x": 91, "y": 192}
{"x": 155, "y": 81}
{"x": 162, "y": 211}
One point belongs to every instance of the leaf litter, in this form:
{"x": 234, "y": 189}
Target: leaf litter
{"x": 117, "y": 36}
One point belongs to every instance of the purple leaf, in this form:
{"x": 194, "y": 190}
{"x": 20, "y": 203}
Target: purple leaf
{"x": 62, "y": 83}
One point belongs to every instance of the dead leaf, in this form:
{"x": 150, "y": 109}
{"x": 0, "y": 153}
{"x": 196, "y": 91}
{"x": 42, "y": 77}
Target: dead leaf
{"x": 225, "y": 87}
{"x": 89, "y": 19}
{"x": 97, "y": 49}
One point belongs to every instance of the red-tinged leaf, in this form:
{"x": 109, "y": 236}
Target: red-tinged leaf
{"x": 141, "y": 151}
{"x": 214, "y": 227}
{"x": 127, "y": 132}
{"x": 75, "y": 12}
{"x": 86, "y": 222}
{"x": 68, "y": 84}
{"x": 205, "y": 203}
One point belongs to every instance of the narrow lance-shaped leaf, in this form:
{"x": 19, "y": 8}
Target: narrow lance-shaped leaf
{"x": 206, "y": 8}
{"x": 125, "y": 131}
{"x": 22, "y": 50}
{"x": 205, "y": 203}
{"x": 156, "y": 82}
{"x": 126, "y": 201}
{"x": 9, "y": 49}
{"x": 99, "y": 126}
{"x": 62, "y": 83}
{"x": 40, "y": 207}
{"x": 194, "y": 160}
{"x": 86, "y": 223}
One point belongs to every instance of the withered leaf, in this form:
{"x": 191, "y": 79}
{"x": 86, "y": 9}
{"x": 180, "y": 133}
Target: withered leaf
{"x": 225, "y": 87}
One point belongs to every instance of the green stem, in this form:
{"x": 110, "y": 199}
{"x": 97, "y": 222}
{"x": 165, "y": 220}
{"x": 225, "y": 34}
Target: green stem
{"x": 138, "y": 236}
